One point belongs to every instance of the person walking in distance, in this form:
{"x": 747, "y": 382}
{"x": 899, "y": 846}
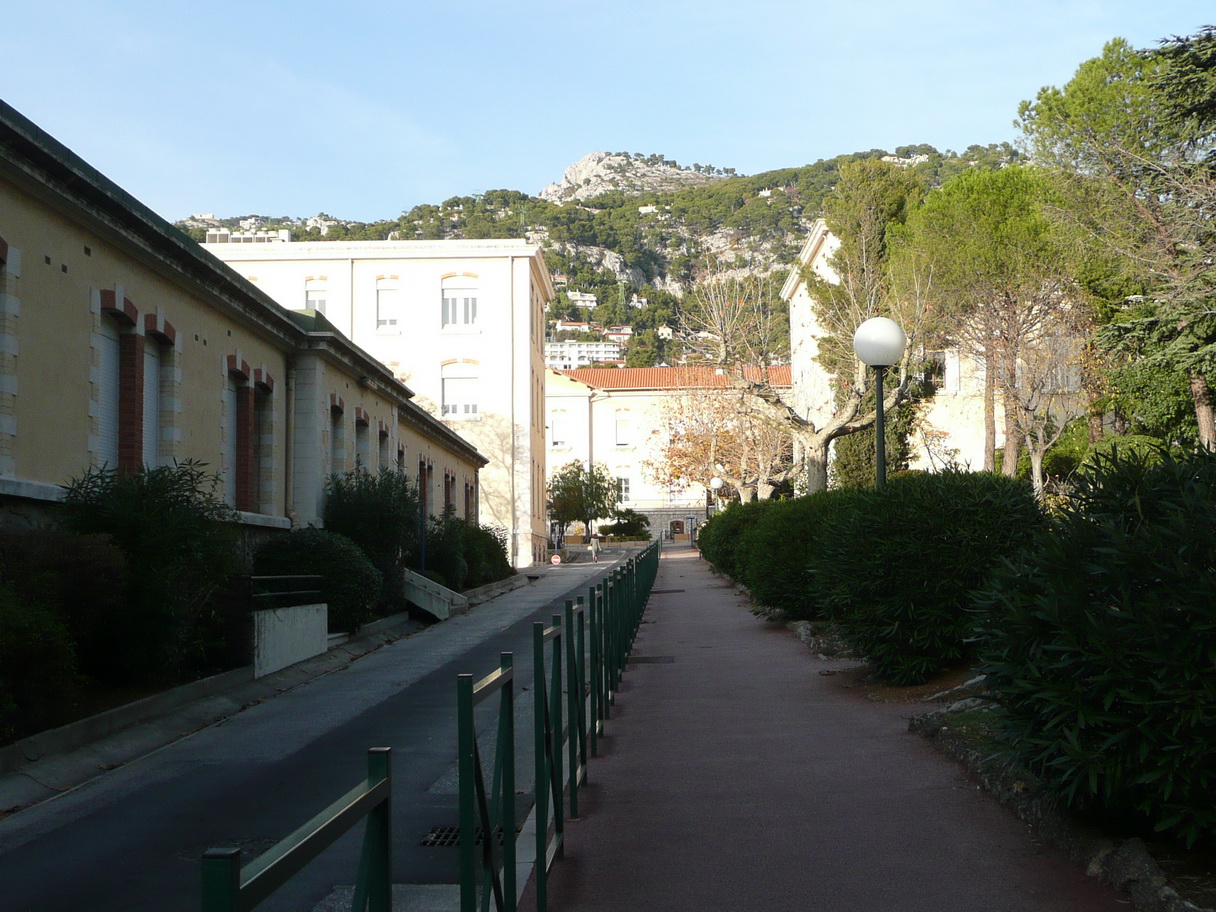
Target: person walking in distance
{"x": 595, "y": 549}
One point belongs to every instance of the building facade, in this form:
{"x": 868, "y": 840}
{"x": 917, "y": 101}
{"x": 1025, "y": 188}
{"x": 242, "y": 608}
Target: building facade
{"x": 949, "y": 427}
{"x": 617, "y": 417}
{"x": 461, "y": 323}
{"x": 123, "y": 344}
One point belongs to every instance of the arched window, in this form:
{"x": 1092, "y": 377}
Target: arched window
{"x": 388, "y": 305}
{"x": 461, "y": 390}
{"x": 459, "y": 310}
{"x": 316, "y": 293}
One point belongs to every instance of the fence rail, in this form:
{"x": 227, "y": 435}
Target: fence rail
{"x": 578, "y": 661}
{"x": 227, "y": 887}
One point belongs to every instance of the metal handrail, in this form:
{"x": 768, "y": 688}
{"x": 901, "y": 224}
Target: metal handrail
{"x": 227, "y": 887}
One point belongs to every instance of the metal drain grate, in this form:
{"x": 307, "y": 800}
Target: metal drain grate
{"x": 666, "y": 591}
{"x": 651, "y": 660}
{"x": 448, "y": 837}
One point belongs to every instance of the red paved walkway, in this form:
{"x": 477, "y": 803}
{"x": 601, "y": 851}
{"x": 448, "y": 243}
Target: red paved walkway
{"x": 736, "y": 777}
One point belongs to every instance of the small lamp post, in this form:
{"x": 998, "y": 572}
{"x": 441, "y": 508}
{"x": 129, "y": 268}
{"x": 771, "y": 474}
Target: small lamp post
{"x": 715, "y": 485}
{"x": 879, "y": 343}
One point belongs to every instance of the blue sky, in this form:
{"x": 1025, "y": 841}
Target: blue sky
{"x": 365, "y": 108}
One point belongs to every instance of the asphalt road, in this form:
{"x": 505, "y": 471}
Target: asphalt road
{"x": 131, "y": 839}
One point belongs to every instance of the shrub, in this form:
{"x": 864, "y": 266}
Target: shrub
{"x": 350, "y": 582}
{"x": 898, "y": 566}
{"x": 720, "y": 537}
{"x": 777, "y": 550}
{"x": 486, "y": 552}
{"x": 462, "y": 555}
{"x": 1099, "y": 644}
{"x": 81, "y": 578}
{"x": 180, "y": 544}
{"x": 628, "y": 524}
{"x": 380, "y": 513}
{"x": 37, "y": 667}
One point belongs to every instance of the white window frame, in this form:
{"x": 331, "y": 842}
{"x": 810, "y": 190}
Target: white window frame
{"x": 388, "y": 310}
{"x": 458, "y": 312}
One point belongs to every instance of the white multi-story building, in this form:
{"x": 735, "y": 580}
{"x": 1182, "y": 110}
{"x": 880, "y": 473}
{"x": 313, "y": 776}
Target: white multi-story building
{"x": 951, "y": 424}
{"x": 616, "y": 417}
{"x": 569, "y": 355}
{"x": 461, "y": 322}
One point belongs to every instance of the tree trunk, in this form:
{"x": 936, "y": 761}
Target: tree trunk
{"x": 1037, "y": 452}
{"x": 816, "y": 465}
{"x": 1013, "y": 435}
{"x": 1201, "y": 395}
{"x": 989, "y": 417}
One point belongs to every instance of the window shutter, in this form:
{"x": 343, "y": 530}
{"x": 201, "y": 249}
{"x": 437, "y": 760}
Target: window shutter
{"x": 152, "y": 403}
{"x": 108, "y": 394}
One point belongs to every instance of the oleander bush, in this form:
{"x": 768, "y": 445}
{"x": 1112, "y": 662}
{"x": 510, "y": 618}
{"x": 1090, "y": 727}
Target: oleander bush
{"x": 720, "y": 538}
{"x": 897, "y": 571}
{"x": 778, "y": 550}
{"x": 1100, "y": 644}
{"x": 380, "y": 513}
{"x": 351, "y": 584}
{"x": 38, "y": 674}
{"x": 179, "y": 540}
{"x": 81, "y": 579}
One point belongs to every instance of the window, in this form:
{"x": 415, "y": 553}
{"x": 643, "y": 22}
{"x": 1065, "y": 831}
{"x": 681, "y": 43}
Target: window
{"x": 316, "y": 294}
{"x": 119, "y": 384}
{"x": 154, "y": 362}
{"x": 460, "y": 390}
{"x": 559, "y": 430}
{"x": 337, "y": 435}
{"x": 388, "y": 309}
{"x": 624, "y": 430}
{"x": 935, "y": 368}
{"x": 363, "y": 439}
{"x": 622, "y": 485}
{"x": 459, "y": 397}
{"x": 459, "y": 304}
{"x": 108, "y": 384}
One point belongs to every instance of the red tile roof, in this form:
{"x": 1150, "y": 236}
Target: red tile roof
{"x": 696, "y": 376}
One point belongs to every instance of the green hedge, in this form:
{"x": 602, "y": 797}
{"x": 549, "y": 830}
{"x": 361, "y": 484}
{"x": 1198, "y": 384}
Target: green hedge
{"x": 1100, "y": 645}
{"x": 779, "y": 566}
{"x": 720, "y": 537}
{"x": 897, "y": 570}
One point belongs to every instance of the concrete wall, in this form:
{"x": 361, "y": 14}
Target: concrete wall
{"x": 284, "y": 636}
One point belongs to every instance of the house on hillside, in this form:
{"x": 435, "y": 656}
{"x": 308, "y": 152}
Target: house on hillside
{"x": 123, "y": 344}
{"x": 462, "y": 322}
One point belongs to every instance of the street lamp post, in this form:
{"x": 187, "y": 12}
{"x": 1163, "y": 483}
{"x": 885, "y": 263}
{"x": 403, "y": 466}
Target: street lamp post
{"x": 879, "y": 342}
{"x": 715, "y": 485}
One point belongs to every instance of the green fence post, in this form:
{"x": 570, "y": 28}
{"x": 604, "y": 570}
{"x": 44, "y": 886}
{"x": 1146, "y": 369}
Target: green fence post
{"x": 506, "y": 737}
{"x": 374, "y": 885}
{"x": 573, "y": 702}
{"x": 555, "y": 736}
{"x": 466, "y": 741}
{"x": 597, "y": 669}
{"x": 221, "y": 880}
{"x": 542, "y": 766}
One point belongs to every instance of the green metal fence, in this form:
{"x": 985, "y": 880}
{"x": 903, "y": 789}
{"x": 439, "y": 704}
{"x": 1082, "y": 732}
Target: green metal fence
{"x": 578, "y": 661}
{"x": 228, "y": 887}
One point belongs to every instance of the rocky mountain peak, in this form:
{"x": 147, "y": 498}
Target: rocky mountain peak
{"x": 601, "y": 172}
